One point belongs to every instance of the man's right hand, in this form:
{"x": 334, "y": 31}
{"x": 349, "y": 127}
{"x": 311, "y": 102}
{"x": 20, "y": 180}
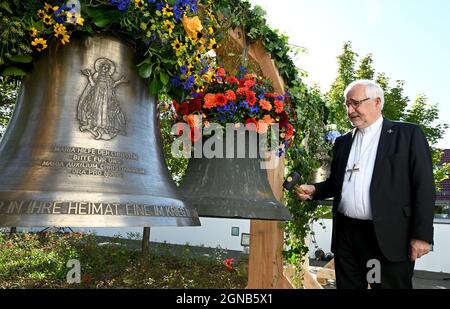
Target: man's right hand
{"x": 305, "y": 192}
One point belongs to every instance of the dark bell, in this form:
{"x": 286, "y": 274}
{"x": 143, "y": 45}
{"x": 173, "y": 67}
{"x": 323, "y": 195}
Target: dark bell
{"x": 232, "y": 187}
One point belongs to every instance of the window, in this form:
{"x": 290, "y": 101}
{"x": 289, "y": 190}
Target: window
{"x": 235, "y": 231}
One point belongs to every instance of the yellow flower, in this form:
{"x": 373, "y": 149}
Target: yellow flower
{"x": 50, "y": 9}
{"x": 211, "y": 30}
{"x": 178, "y": 46}
{"x": 212, "y": 44}
{"x": 41, "y": 14}
{"x": 139, "y": 4}
{"x": 61, "y": 33}
{"x": 47, "y": 19}
{"x": 74, "y": 18}
{"x": 39, "y": 43}
{"x": 33, "y": 32}
{"x": 192, "y": 26}
{"x": 167, "y": 11}
{"x": 169, "y": 26}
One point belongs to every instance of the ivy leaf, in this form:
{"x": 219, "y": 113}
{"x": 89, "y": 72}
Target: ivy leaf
{"x": 21, "y": 58}
{"x": 164, "y": 77}
{"x": 155, "y": 87}
{"x": 146, "y": 70}
{"x": 6, "y": 6}
{"x": 13, "y": 71}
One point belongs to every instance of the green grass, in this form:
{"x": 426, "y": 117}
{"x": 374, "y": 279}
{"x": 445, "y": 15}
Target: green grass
{"x": 39, "y": 261}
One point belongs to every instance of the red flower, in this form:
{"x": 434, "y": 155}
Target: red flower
{"x": 284, "y": 119}
{"x": 86, "y": 278}
{"x": 176, "y": 105}
{"x": 184, "y": 108}
{"x": 249, "y": 83}
{"x": 250, "y": 97}
{"x": 221, "y": 99}
{"x": 195, "y": 105}
{"x": 229, "y": 264}
{"x": 289, "y": 132}
{"x": 251, "y": 124}
{"x": 232, "y": 80}
{"x": 231, "y": 96}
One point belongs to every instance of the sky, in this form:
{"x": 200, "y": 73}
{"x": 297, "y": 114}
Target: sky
{"x": 409, "y": 40}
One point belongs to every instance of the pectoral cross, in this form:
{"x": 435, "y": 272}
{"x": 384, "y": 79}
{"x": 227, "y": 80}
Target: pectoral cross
{"x": 353, "y": 169}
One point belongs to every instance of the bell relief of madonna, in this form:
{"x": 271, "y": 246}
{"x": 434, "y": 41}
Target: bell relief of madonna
{"x": 98, "y": 110}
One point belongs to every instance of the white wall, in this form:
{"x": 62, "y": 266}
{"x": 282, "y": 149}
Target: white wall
{"x": 213, "y": 233}
{"x": 437, "y": 260}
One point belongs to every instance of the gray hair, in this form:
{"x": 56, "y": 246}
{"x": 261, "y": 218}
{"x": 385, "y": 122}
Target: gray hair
{"x": 373, "y": 90}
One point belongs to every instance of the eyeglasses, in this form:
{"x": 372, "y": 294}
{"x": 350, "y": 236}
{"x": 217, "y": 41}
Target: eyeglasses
{"x": 355, "y": 103}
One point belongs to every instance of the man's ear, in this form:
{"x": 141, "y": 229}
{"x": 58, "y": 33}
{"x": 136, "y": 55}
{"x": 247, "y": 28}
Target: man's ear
{"x": 378, "y": 102}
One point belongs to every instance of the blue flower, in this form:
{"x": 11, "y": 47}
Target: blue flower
{"x": 189, "y": 83}
{"x": 122, "y": 5}
{"x": 254, "y": 109}
{"x": 332, "y": 135}
{"x": 183, "y": 69}
{"x": 176, "y": 81}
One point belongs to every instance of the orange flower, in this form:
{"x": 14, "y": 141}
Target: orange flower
{"x": 221, "y": 72}
{"x": 192, "y": 120}
{"x": 278, "y": 106}
{"x": 192, "y": 26}
{"x": 265, "y": 105}
{"x": 262, "y": 126}
{"x": 210, "y": 100}
{"x": 267, "y": 119}
{"x": 250, "y": 76}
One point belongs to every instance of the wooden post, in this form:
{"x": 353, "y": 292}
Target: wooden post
{"x": 145, "y": 244}
{"x": 265, "y": 269}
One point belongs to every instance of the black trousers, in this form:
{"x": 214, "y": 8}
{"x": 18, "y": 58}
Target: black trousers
{"x": 359, "y": 260}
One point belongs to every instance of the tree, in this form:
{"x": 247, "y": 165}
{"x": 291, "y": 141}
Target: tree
{"x": 395, "y": 105}
{"x": 335, "y": 97}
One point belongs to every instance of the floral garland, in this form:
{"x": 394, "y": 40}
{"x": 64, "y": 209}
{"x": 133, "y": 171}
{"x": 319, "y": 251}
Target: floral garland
{"x": 169, "y": 36}
{"x": 245, "y": 99}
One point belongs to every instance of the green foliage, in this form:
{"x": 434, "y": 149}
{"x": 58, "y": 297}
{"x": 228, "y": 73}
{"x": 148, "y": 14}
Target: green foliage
{"x": 39, "y": 261}
{"x": 8, "y": 94}
{"x": 335, "y": 97}
{"x": 29, "y": 26}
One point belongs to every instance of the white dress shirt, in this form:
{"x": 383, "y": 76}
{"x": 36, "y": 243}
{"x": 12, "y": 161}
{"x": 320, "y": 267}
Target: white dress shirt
{"x": 355, "y": 202}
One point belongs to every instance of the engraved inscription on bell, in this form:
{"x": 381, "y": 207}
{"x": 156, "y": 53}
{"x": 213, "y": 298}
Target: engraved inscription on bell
{"x": 99, "y": 111}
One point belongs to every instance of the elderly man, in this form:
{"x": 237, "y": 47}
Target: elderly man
{"x": 382, "y": 183}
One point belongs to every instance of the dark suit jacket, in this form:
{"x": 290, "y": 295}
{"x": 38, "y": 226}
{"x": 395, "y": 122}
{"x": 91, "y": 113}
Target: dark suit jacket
{"x": 402, "y": 193}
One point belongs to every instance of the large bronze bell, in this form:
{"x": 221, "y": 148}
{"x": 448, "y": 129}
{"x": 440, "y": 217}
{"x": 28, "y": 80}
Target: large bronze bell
{"x": 83, "y": 147}
{"x": 236, "y": 187}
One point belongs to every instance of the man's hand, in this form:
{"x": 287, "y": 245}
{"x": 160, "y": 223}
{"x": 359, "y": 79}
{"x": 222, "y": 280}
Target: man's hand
{"x": 418, "y": 248}
{"x": 305, "y": 192}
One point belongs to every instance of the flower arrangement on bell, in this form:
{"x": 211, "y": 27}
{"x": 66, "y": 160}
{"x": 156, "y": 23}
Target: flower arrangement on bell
{"x": 166, "y": 35}
{"x": 245, "y": 100}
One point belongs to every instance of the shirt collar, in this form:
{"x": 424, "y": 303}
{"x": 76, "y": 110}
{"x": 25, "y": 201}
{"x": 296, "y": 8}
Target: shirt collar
{"x": 373, "y": 127}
